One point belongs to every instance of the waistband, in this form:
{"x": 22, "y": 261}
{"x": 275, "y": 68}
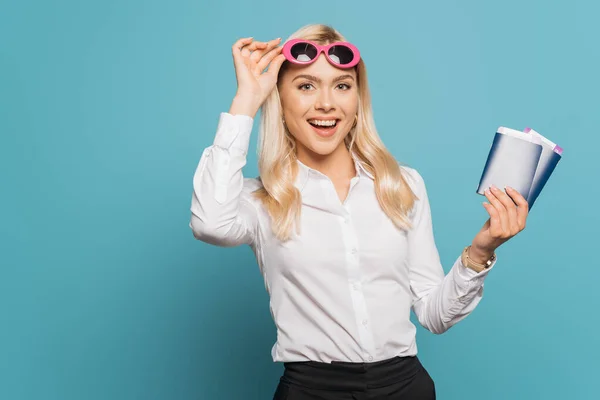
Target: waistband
{"x": 349, "y": 376}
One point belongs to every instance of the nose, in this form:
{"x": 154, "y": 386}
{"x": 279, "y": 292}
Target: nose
{"x": 325, "y": 101}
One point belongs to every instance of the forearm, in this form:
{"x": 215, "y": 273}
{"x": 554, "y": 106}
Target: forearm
{"x": 218, "y": 214}
{"x": 244, "y": 105}
{"x": 451, "y": 300}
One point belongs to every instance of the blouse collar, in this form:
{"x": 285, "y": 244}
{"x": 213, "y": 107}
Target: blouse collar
{"x": 305, "y": 172}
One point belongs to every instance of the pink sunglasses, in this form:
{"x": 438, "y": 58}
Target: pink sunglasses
{"x": 304, "y": 52}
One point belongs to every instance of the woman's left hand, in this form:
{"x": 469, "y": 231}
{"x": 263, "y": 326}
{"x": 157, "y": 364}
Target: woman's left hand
{"x": 508, "y": 213}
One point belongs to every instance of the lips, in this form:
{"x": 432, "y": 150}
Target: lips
{"x": 324, "y": 131}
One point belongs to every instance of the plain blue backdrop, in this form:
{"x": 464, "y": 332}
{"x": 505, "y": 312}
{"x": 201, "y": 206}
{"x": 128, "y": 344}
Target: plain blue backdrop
{"x": 106, "y": 106}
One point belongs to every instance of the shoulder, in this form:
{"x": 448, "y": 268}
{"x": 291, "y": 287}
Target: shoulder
{"x": 413, "y": 177}
{"x": 250, "y": 186}
{"x": 417, "y": 186}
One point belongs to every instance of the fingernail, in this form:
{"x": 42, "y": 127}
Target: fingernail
{"x": 508, "y": 188}
{"x": 494, "y": 188}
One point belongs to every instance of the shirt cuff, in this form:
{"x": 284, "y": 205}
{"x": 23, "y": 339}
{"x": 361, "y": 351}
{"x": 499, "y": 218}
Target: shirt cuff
{"x": 234, "y": 131}
{"x": 466, "y": 274}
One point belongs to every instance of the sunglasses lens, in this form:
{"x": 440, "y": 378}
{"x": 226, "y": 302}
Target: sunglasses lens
{"x": 303, "y": 52}
{"x": 341, "y": 54}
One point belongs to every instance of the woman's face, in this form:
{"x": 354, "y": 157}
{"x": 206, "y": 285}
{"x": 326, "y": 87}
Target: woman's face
{"x": 319, "y": 104}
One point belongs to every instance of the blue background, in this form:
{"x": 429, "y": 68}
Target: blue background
{"x": 106, "y": 106}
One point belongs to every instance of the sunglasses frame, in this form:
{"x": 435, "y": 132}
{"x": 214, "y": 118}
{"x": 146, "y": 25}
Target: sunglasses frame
{"x": 287, "y": 52}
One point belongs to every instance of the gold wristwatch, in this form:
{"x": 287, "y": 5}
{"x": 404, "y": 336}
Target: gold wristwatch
{"x": 469, "y": 263}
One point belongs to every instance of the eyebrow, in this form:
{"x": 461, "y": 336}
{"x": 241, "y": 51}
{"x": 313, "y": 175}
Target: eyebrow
{"x": 318, "y": 80}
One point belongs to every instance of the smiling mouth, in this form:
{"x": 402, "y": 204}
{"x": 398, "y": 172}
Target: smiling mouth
{"x": 324, "y": 128}
{"x": 323, "y": 124}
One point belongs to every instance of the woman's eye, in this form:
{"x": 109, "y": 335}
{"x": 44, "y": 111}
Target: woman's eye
{"x": 305, "y": 86}
{"x": 344, "y": 86}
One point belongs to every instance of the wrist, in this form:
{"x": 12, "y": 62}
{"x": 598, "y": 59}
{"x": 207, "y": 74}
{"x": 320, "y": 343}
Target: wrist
{"x": 244, "y": 105}
{"x": 478, "y": 265}
{"x": 478, "y": 255}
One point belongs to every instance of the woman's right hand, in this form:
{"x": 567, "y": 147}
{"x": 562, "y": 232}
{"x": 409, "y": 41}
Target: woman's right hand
{"x": 250, "y": 58}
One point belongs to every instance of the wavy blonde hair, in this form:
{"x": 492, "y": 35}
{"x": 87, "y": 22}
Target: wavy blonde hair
{"x": 277, "y": 154}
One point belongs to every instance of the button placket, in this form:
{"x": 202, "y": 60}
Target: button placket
{"x": 354, "y": 282}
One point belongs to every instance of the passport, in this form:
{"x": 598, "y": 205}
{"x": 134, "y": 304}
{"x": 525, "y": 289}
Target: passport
{"x": 523, "y": 160}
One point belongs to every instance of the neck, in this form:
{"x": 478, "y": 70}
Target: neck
{"x": 336, "y": 165}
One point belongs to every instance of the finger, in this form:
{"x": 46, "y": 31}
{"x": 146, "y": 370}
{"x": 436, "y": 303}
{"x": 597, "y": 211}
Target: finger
{"x": 522, "y": 206}
{"x": 254, "y": 46}
{"x": 247, "y": 50}
{"x": 502, "y": 214}
{"x": 511, "y": 210}
{"x": 242, "y": 42}
{"x": 275, "y": 65}
{"x": 502, "y": 227}
{"x": 495, "y": 224}
{"x": 236, "y": 49}
{"x": 267, "y": 58}
{"x": 258, "y": 54}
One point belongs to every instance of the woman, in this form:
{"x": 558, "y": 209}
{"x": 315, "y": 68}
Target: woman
{"x": 341, "y": 231}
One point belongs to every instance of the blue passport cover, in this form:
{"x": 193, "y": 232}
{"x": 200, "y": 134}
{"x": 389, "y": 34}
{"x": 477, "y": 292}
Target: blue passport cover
{"x": 521, "y": 164}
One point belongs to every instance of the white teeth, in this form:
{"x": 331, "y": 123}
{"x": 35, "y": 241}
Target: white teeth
{"x": 322, "y": 123}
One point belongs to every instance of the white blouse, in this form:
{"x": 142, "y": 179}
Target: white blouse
{"x": 342, "y": 289}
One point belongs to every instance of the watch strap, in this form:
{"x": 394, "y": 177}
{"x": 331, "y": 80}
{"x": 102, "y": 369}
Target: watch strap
{"x": 469, "y": 263}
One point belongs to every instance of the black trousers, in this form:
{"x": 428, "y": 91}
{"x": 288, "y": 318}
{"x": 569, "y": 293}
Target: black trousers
{"x": 398, "y": 378}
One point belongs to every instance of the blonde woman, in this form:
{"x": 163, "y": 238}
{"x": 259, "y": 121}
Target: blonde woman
{"x": 341, "y": 231}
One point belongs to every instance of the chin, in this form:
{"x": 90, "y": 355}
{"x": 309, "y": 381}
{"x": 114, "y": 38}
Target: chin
{"x": 325, "y": 148}
{"x": 322, "y": 150}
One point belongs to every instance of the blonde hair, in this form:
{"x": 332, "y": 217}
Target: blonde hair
{"x": 277, "y": 154}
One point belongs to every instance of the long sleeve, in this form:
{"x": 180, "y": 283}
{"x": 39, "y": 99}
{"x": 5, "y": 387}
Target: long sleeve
{"x": 221, "y": 213}
{"x": 439, "y": 301}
